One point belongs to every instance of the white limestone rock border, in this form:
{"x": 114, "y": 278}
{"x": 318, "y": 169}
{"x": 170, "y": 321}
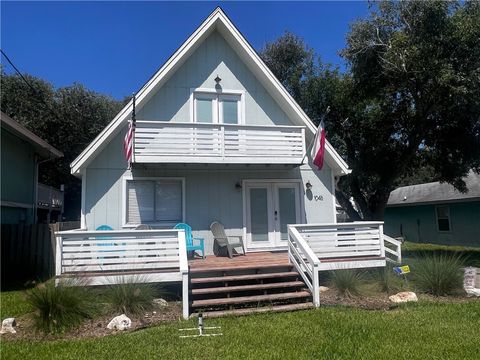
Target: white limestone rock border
{"x": 8, "y": 326}
{"x": 160, "y": 302}
{"x": 403, "y": 297}
{"x": 470, "y": 281}
{"x": 121, "y": 322}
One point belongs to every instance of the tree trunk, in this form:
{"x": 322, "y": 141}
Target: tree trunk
{"x": 347, "y": 206}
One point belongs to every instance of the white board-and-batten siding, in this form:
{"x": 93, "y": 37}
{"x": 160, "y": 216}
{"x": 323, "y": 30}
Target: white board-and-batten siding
{"x": 213, "y": 57}
{"x": 210, "y": 192}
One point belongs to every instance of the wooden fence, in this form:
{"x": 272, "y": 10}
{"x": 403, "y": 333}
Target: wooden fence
{"x": 27, "y": 251}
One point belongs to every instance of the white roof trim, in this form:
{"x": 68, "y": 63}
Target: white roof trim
{"x": 216, "y": 18}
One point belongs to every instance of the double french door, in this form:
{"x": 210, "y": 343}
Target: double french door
{"x": 270, "y": 207}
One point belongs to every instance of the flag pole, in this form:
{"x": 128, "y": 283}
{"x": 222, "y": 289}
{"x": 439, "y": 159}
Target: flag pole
{"x": 313, "y": 140}
{"x": 134, "y": 118}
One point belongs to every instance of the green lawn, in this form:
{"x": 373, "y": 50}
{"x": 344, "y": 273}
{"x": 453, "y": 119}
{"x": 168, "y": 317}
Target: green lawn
{"x": 417, "y": 331}
{"x": 12, "y": 303}
{"x": 411, "y": 250}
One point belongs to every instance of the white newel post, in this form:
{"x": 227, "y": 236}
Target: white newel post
{"x": 316, "y": 286}
{"x": 58, "y": 257}
{"x": 382, "y": 241}
{"x": 222, "y": 141}
{"x": 182, "y": 248}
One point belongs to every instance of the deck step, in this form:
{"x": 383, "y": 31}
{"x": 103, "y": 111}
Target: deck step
{"x": 250, "y": 299}
{"x": 265, "y": 309}
{"x": 237, "y": 267}
{"x": 227, "y": 289}
{"x": 244, "y": 277}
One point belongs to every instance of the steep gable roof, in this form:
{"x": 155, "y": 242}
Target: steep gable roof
{"x": 220, "y": 22}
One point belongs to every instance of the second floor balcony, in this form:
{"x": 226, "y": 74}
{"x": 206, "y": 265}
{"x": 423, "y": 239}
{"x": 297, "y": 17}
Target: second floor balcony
{"x": 175, "y": 142}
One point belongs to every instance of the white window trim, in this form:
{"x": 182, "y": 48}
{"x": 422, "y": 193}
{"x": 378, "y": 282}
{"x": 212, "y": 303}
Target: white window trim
{"x": 126, "y": 178}
{"x": 245, "y": 182}
{"x": 212, "y": 91}
{"x": 449, "y": 219}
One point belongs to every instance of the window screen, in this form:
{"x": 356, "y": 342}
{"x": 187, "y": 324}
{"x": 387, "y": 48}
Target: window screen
{"x": 154, "y": 201}
{"x": 443, "y": 218}
{"x": 230, "y": 112}
{"x": 204, "y": 110}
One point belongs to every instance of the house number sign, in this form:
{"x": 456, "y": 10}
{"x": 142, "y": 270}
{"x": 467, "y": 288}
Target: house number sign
{"x": 318, "y": 197}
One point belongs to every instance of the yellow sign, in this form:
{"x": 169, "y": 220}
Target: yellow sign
{"x": 402, "y": 270}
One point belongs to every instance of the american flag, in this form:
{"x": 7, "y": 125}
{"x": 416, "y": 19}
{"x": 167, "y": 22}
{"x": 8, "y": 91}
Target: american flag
{"x": 318, "y": 148}
{"x": 128, "y": 141}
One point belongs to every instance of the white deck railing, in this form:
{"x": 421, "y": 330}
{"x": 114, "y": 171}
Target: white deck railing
{"x": 174, "y": 142}
{"x": 109, "y": 257}
{"x": 393, "y": 249}
{"x": 316, "y": 247}
{"x": 305, "y": 261}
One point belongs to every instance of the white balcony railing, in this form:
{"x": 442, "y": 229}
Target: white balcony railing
{"x": 169, "y": 142}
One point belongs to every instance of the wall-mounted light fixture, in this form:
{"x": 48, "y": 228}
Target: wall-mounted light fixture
{"x": 218, "y": 79}
{"x": 308, "y": 185}
{"x": 238, "y": 185}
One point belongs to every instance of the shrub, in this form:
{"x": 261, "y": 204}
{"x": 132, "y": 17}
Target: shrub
{"x": 131, "y": 297}
{"x": 58, "y": 308}
{"x": 438, "y": 274}
{"x": 387, "y": 280}
{"x": 347, "y": 282}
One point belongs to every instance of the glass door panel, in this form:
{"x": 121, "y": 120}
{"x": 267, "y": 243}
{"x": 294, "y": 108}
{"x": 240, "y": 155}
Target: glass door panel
{"x": 287, "y": 210}
{"x": 259, "y": 215}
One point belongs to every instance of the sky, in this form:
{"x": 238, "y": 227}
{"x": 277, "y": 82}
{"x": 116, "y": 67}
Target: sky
{"x": 115, "y": 47}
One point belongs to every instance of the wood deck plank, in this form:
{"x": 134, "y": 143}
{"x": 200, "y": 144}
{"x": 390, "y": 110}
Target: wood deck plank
{"x": 266, "y": 309}
{"x": 248, "y": 299}
{"x": 244, "y": 277}
{"x": 227, "y": 289}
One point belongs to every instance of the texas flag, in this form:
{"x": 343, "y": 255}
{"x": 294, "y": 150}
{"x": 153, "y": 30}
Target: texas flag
{"x": 318, "y": 148}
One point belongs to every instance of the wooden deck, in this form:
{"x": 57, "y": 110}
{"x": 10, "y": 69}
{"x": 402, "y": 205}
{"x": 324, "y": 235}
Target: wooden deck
{"x": 256, "y": 260}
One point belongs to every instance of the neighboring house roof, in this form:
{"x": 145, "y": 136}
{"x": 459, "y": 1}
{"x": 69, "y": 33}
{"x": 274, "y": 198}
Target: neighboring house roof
{"x": 219, "y": 21}
{"x": 44, "y": 149}
{"x": 435, "y": 192}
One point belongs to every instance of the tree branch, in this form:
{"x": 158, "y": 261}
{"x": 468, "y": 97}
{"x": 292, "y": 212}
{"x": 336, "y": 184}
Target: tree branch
{"x": 347, "y": 206}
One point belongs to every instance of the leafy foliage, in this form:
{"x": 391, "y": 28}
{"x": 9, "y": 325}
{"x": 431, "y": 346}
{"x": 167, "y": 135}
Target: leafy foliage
{"x": 131, "y": 297}
{"x": 438, "y": 274}
{"x": 410, "y": 97}
{"x": 68, "y": 118}
{"x": 347, "y": 282}
{"x": 58, "y": 308}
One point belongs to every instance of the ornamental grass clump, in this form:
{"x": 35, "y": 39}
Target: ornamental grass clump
{"x": 387, "y": 280}
{"x": 439, "y": 274}
{"x": 59, "y": 308}
{"x": 130, "y": 297}
{"x": 347, "y": 282}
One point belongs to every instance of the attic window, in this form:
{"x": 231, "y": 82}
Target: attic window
{"x": 214, "y": 108}
{"x": 443, "y": 218}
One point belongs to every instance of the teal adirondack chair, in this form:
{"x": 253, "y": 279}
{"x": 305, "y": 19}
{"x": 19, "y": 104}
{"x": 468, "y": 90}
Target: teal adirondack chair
{"x": 191, "y": 247}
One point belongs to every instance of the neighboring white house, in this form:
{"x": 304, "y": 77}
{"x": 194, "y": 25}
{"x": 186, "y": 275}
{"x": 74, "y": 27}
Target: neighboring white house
{"x": 217, "y": 138}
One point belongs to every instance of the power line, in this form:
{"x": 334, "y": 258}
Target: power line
{"x": 35, "y": 91}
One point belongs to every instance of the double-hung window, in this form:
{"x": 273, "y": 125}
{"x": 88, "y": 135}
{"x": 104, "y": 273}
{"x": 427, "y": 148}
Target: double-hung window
{"x": 443, "y": 218}
{"x": 213, "y": 108}
{"x": 154, "y": 201}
